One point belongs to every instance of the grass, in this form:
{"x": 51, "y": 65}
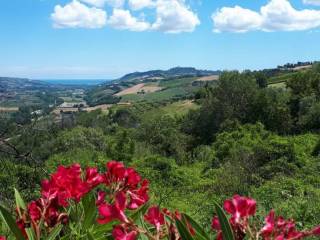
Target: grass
{"x": 166, "y": 94}
{"x": 281, "y": 78}
{"x": 278, "y": 85}
{"x": 174, "y": 83}
{"x": 172, "y": 89}
{"x": 179, "y": 108}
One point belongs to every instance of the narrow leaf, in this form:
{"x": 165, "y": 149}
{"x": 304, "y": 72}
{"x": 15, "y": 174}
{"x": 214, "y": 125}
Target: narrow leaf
{"x": 141, "y": 211}
{"x": 183, "y": 231}
{"x": 89, "y": 207}
{"x": 55, "y": 232}
{"x": 7, "y": 218}
{"x": 19, "y": 202}
{"x": 227, "y": 232}
{"x": 198, "y": 229}
{"x": 90, "y": 237}
{"x": 30, "y": 234}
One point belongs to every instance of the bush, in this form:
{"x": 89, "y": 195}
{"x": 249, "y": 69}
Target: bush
{"x": 114, "y": 204}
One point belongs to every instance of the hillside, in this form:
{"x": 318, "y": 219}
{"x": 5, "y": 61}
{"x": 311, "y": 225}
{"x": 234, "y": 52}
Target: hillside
{"x": 171, "y": 73}
{"x": 156, "y": 85}
{"x": 17, "y": 92}
{"x": 8, "y": 84}
{"x": 233, "y": 137}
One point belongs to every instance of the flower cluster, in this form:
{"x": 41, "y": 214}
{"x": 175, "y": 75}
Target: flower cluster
{"x": 275, "y": 228}
{"x": 127, "y": 191}
{"x": 120, "y": 193}
{"x": 280, "y": 228}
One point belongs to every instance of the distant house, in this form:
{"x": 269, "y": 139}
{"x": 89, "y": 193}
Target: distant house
{"x": 37, "y": 112}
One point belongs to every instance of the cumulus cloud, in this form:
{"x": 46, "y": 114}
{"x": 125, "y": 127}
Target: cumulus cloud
{"x": 173, "y": 16}
{"x": 236, "y": 19}
{"x": 140, "y": 4}
{"x": 312, "y": 2}
{"x": 277, "y": 15}
{"x": 101, "y": 3}
{"x": 78, "y": 15}
{"x": 123, "y": 20}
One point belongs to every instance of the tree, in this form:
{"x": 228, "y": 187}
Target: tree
{"x": 261, "y": 79}
{"x": 163, "y": 134}
{"x": 23, "y": 116}
{"x": 271, "y": 107}
{"x": 232, "y": 99}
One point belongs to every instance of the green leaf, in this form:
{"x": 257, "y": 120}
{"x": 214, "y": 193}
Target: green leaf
{"x": 19, "y": 202}
{"x": 200, "y": 233}
{"x": 55, "y": 232}
{"x": 7, "y": 218}
{"x": 183, "y": 230}
{"x": 90, "y": 237}
{"x": 227, "y": 232}
{"x": 89, "y": 207}
{"x": 141, "y": 211}
{"x": 102, "y": 229}
{"x": 30, "y": 233}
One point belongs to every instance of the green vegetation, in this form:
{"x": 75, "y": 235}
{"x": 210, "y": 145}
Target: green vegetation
{"x": 235, "y": 137}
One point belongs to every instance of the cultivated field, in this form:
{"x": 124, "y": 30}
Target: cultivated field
{"x": 132, "y": 90}
{"x": 9, "y": 109}
{"x": 209, "y": 78}
{"x": 139, "y": 88}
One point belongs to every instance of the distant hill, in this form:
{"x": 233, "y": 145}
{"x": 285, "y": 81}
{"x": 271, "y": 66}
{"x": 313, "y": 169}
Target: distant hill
{"x": 171, "y": 73}
{"x": 8, "y": 84}
{"x": 155, "y": 85}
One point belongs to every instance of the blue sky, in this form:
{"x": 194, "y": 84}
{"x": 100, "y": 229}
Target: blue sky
{"x": 52, "y": 39}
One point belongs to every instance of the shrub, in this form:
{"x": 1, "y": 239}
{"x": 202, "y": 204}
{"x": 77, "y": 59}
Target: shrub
{"x": 115, "y": 204}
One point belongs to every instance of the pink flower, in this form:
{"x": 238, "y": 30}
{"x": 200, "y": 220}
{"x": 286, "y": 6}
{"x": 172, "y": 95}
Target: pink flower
{"x": 101, "y": 198}
{"x": 316, "y": 231}
{"x": 155, "y": 217}
{"x": 139, "y": 196}
{"x": 93, "y": 178}
{"x": 2, "y": 238}
{"x": 278, "y": 228}
{"x": 116, "y": 172}
{"x": 110, "y": 212}
{"x": 121, "y": 233}
{"x": 64, "y": 185}
{"x": 215, "y": 224}
{"x": 269, "y": 224}
{"x": 133, "y": 178}
{"x": 240, "y": 207}
{"x": 34, "y": 209}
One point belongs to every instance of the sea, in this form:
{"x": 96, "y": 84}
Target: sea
{"x": 87, "y": 82}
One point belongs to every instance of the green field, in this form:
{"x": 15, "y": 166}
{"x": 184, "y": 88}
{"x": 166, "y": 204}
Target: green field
{"x": 179, "y": 108}
{"x": 172, "y": 89}
{"x": 281, "y": 78}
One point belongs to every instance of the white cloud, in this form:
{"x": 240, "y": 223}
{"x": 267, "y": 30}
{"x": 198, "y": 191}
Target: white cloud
{"x": 140, "y": 4}
{"x": 78, "y": 15}
{"x": 101, "y": 3}
{"x": 236, "y": 19}
{"x": 173, "y": 16}
{"x": 277, "y": 15}
{"x": 123, "y": 20}
{"x": 312, "y": 2}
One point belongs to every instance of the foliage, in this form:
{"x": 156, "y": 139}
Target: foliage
{"x": 72, "y": 207}
{"x": 237, "y": 137}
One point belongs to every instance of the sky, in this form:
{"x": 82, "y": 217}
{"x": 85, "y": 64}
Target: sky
{"x": 105, "y": 39}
